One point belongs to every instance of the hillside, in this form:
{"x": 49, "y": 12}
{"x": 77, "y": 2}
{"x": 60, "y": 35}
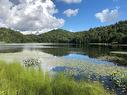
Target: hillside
{"x": 8, "y": 35}
{"x": 11, "y": 36}
{"x": 109, "y": 34}
{"x": 57, "y": 36}
{"x": 116, "y": 33}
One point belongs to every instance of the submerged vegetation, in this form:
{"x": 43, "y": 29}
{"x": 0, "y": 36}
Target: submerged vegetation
{"x": 116, "y": 59}
{"x": 114, "y": 34}
{"x": 112, "y": 76}
{"x": 16, "y": 79}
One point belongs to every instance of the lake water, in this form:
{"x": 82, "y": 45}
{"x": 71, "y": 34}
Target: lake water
{"x": 52, "y": 55}
{"x": 87, "y": 53}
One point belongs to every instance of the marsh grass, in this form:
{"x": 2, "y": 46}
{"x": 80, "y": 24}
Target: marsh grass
{"x": 18, "y": 80}
{"x": 63, "y": 86}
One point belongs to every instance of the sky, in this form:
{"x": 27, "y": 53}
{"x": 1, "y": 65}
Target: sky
{"x": 31, "y": 16}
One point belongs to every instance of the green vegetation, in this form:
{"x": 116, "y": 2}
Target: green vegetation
{"x": 56, "y": 36}
{"x": 115, "y": 34}
{"x": 115, "y": 59}
{"x": 112, "y": 76}
{"x": 8, "y": 35}
{"x": 120, "y": 82}
{"x": 11, "y": 36}
{"x": 18, "y": 80}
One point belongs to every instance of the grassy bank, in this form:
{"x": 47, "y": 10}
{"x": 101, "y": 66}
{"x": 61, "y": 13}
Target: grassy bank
{"x": 18, "y": 80}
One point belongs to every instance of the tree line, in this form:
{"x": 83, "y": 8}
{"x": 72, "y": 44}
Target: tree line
{"x": 116, "y": 33}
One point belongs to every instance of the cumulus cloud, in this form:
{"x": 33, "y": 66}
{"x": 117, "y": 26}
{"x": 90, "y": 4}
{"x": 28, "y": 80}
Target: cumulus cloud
{"x": 72, "y": 1}
{"x": 107, "y": 15}
{"x": 71, "y": 12}
{"x": 29, "y": 15}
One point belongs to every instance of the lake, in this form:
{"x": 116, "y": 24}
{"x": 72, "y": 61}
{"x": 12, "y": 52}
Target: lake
{"x": 86, "y": 53}
{"x": 54, "y": 55}
{"x": 82, "y": 62}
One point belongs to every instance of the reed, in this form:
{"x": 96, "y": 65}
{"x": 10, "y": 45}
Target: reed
{"x": 18, "y": 80}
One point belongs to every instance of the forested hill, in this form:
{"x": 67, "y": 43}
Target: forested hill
{"x": 8, "y": 35}
{"x": 107, "y": 34}
{"x": 11, "y": 36}
{"x": 57, "y": 36}
{"x": 116, "y": 33}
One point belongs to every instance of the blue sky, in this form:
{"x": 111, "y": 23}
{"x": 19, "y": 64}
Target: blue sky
{"x": 32, "y": 16}
{"x": 85, "y": 18}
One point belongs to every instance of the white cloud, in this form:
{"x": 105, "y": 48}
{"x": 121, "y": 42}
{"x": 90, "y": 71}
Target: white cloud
{"x": 71, "y": 12}
{"x": 29, "y": 15}
{"x": 107, "y": 15}
{"x": 72, "y": 1}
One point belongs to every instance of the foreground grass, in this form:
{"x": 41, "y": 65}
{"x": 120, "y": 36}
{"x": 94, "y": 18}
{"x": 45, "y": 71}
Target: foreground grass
{"x": 18, "y": 80}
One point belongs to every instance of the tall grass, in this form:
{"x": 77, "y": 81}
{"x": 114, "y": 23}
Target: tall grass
{"x": 18, "y": 80}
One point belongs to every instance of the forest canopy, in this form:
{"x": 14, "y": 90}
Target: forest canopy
{"x": 116, "y": 33}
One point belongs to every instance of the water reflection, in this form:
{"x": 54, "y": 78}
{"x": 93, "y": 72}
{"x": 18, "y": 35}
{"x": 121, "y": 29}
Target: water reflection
{"x": 86, "y": 58}
{"x": 70, "y": 51}
{"x": 4, "y": 49}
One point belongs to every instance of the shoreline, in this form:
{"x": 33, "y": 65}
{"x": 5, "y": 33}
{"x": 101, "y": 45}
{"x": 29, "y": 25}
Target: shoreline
{"x": 107, "y": 44}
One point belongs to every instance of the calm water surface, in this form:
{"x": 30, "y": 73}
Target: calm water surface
{"x": 66, "y": 51}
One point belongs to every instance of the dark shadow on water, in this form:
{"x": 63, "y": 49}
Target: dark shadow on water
{"x": 10, "y": 50}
